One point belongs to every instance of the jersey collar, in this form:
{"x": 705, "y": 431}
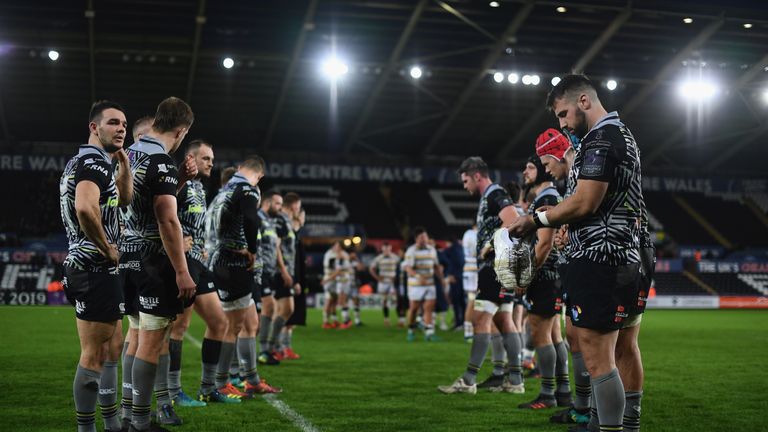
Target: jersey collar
{"x": 98, "y": 149}
{"x": 146, "y": 139}
{"x": 612, "y": 118}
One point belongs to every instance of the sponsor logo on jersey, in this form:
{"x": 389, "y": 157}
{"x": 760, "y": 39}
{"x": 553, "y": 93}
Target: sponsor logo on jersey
{"x": 79, "y": 306}
{"x": 95, "y": 167}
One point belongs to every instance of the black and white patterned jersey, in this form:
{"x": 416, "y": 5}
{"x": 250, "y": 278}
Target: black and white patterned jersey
{"x": 191, "y": 208}
{"x": 547, "y": 197}
{"x": 154, "y": 173}
{"x": 268, "y": 244}
{"x": 645, "y": 233}
{"x": 284, "y": 229}
{"x": 610, "y": 236}
{"x": 234, "y": 223}
{"x": 93, "y": 164}
{"x": 386, "y": 266}
{"x": 494, "y": 199}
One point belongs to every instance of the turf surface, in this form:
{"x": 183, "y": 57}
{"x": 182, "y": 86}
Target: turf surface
{"x": 705, "y": 370}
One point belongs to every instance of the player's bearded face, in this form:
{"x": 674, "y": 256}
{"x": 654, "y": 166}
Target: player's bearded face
{"x": 530, "y": 173}
{"x": 111, "y": 130}
{"x": 470, "y": 185}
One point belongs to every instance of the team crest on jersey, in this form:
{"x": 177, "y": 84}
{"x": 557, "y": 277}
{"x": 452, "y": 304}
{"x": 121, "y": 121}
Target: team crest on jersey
{"x": 575, "y": 312}
{"x": 79, "y": 306}
{"x": 162, "y": 168}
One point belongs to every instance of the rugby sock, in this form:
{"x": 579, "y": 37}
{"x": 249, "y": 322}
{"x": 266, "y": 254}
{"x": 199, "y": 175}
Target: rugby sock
{"x": 85, "y": 388}
{"x": 326, "y": 317}
{"x": 561, "y": 369}
{"x": 174, "y": 370}
{"x": 234, "y": 364}
{"x": 143, "y": 378}
{"x": 127, "y": 401}
{"x": 108, "y": 396}
{"x": 594, "y": 421}
{"x": 161, "y": 380}
{"x": 210, "y": 357}
{"x": 512, "y": 343}
{"x": 385, "y": 308}
{"x": 265, "y": 327}
{"x": 357, "y": 315}
{"x": 632, "y": 411}
{"x": 467, "y": 329}
{"x": 547, "y": 356}
{"x": 497, "y": 354}
{"x": 429, "y": 330}
{"x": 246, "y": 348}
{"x": 609, "y": 395}
{"x": 476, "y": 356}
{"x": 582, "y": 382}
{"x": 274, "y": 335}
{"x": 344, "y": 314}
{"x": 287, "y": 337}
{"x": 334, "y": 318}
{"x": 225, "y": 358}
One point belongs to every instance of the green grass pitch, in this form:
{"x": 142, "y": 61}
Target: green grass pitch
{"x": 705, "y": 371}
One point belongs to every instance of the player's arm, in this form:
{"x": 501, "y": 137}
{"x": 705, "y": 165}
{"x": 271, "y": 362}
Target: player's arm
{"x": 124, "y": 179}
{"x": 88, "y": 214}
{"x": 545, "y": 236}
{"x": 440, "y": 274}
{"x": 163, "y": 187}
{"x": 508, "y": 215}
{"x": 287, "y": 279}
{"x": 373, "y": 270}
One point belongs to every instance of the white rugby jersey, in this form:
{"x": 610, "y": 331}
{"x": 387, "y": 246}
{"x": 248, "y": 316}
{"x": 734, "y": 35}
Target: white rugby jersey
{"x": 386, "y": 266}
{"x": 423, "y": 262}
{"x": 469, "y": 243}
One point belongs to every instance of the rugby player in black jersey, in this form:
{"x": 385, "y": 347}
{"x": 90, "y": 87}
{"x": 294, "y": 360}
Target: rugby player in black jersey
{"x": 89, "y": 196}
{"x": 153, "y": 233}
{"x": 605, "y": 223}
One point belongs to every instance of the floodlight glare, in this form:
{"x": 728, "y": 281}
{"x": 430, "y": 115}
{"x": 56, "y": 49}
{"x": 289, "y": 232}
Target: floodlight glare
{"x": 535, "y": 79}
{"x": 687, "y": 20}
{"x": 555, "y": 81}
{"x": 228, "y": 63}
{"x": 611, "y": 85}
{"x": 494, "y": 4}
{"x": 53, "y": 55}
{"x": 416, "y": 72}
{"x": 765, "y": 96}
{"x": 498, "y": 77}
{"x": 527, "y": 80}
{"x": 699, "y": 90}
{"x": 513, "y": 78}
{"x": 333, "y": 68}
{"x": 562, "y": 9}
{"x": 747, "y": 25}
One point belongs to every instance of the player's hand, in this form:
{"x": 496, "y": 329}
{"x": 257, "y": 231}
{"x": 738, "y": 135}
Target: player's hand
{"x": 296, "y": 289}
{"x": 122, "y": 157}
{"x": 450, "y": 279}
{"x": 111, "y": 254}
{"x": 287, "y": 280}
{"x": 187, "y": 243}
{"x": 561, "y": 237}
{"x": 187, "y": 286}
{"x": 188, "y": 169}
{"x": 486, "y": 250}
{"x": 423, "y": 280}
{"x": 522, "y": 226}
{"x": 205, "y": 255}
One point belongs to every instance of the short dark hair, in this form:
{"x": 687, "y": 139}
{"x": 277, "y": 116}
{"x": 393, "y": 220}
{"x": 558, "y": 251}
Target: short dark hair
{"x": 227, "y": 174}
{"x": 140, "y": 122}
{"x": 513, "y": 189}
{"x": 195, "y": 145}
{"x": 171, "y": 114}
{"x": 269, "y": 194}
{"x": 290, "y": 198}
{"x": 569, "y": 84}
{"x": 99, "y": 107}
{"x": 472, "y": 165}
{"x": 419, "y": 230}
{"x": 255, "y": 163}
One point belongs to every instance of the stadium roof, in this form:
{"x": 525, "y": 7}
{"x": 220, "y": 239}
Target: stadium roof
{"x": 275, "y": 101}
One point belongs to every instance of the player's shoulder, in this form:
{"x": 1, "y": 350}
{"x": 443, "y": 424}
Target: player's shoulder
{"x": 606, "y": 135}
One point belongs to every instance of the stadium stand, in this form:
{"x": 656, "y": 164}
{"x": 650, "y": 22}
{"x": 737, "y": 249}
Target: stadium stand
{"x": 729, "y": 284}
{"x": 676, "y": 222}
{"x": 748, "y": 231}
{"x": 676, "y": 284}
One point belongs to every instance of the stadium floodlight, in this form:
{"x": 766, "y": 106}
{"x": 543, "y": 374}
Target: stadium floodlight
{"x": 494, "y": 4}
{"x": 498, "y": 77}
{"x": 347, "y": 242}
{"x": 416, "y": 72}
{"x": 555, "y": 81}
{"x": 333, "y": 68}
{"x": 687, "y": 20}
{"x": 561, "y": 9}
{"x": 747, "y": 25}
{"x": 228, "y": 63}
{"x": 765, "y": 96}
{"x": 527, "y": 80}
{"x": 611, "y": 84}
{"x": 535, "y": 79}
{"x": 357, "y": 240}
{"x": 698, "y": 90}
{"x": 513, "y": 78}
{"x": 53, "y": 55}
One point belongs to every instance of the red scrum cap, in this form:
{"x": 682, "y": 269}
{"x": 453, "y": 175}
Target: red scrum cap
{"x": 553, "y": 143}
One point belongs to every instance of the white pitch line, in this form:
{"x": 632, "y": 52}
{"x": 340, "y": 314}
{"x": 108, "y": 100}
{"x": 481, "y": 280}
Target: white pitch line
{"x": 283, "y": 408}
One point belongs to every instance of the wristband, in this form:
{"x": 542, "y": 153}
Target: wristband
{"x": 543, "y": 218}
{"x": 537, "y": 221}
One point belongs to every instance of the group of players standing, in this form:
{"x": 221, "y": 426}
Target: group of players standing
{"x": 593, "y": 256}
{"x": 144, "y": 244}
